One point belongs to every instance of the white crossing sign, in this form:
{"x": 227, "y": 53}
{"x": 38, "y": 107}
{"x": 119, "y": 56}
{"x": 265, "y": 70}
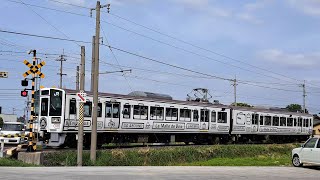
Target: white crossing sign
{"x": 81, "y": 97}
{"x": 4, "y": 74}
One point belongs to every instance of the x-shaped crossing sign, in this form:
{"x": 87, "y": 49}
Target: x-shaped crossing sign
{"x": 34, "y": 69}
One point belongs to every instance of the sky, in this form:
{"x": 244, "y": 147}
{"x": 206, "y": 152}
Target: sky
{"x": 270, "y": 46}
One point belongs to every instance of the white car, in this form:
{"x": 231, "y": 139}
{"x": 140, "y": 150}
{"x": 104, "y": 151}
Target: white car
{"x": 13, "y": 133}
{"x": 308, "y": 153}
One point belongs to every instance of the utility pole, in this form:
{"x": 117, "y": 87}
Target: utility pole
{"x": 77, "y": 76}
{"x": 235, "y": 90}
{"x": 304, "y": 96}
{"x": 92, "y": 63}
{"x": 93, "y": 147}
{"x": 81, "y": 110}
{"x": 61, "y": 59}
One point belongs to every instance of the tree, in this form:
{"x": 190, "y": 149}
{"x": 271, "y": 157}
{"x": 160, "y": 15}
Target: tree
{"x": 1, "y": 122}
{"x": 242, "y": 105}
{"x": 294, "y": 108}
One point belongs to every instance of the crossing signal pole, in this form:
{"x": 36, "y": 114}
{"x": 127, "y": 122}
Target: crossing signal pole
{"x": 93, "y": 147}
{"x": 35, "y": 71}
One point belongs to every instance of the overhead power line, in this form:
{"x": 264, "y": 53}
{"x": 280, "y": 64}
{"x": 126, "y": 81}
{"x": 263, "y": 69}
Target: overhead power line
{"x": 41, "y": 36}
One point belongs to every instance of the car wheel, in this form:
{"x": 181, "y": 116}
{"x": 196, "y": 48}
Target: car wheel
{"x": 296, "y": 161}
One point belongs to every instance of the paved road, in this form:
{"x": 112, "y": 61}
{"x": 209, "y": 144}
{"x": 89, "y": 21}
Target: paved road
{"x": 135, "y": 173}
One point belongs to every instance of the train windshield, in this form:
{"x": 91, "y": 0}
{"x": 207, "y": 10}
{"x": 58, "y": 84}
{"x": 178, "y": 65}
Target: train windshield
{"x": 55, "y": 102}
{"x": 12, "y": 127}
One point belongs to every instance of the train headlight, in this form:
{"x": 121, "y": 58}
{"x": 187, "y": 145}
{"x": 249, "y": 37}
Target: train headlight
{"x": 55, "y": 120}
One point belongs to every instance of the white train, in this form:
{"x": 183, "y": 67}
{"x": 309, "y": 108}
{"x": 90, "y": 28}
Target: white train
{"x": 132, "y": 118}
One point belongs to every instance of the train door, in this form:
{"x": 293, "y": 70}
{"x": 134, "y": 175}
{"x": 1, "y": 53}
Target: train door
{"x": 248, "y": 122}
{"x": 204, "y": 119}
{"x": 254, "y": 122}
{"x": 300, "y": 124}
{"x": 112, "y": 115}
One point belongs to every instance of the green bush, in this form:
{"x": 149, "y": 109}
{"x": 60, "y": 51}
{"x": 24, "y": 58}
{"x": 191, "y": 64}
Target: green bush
{"x": 166, "y": 156}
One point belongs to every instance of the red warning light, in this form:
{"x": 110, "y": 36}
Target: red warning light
{"x": 24, "y": 93}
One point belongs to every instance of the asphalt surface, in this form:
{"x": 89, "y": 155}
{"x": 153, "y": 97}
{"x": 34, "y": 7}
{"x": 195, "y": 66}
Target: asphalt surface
{"x": 141, "y": 173}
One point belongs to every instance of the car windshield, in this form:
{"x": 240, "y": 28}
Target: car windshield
{"x": 12, "y": 127}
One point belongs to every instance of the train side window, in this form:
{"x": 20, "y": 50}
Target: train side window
{"x": 87, "y": 109}
{"x": 115, "y": 110}
{"x": 261, "y": 120}
{"x": 204, "y": 115}
{"x": 222, "y": 117}
{"x": 126, "y": 111}
{"x": 213, "y": 116}
{"x": 172, "y": 114}
{"x": 299, "y": 122}
{"x": 295, "y": 122}
{"x": 140, "y": 112}
{"x": 185, "y": 115}
{"x": 283, "y": 121}
{"x": 195, "y": 115}
{"x": 275, "y": 121}
{"x": 289, "y": 121}
{"x": 99, "y": 110}
{"x": 255, "y": 118}
{"x": 72, "y": 107}
{"x": 156, "y": 113}
{"x": 267, "y": 120}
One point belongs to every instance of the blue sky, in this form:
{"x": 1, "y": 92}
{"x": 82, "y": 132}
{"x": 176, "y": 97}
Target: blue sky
{"x": 279, "y": 36}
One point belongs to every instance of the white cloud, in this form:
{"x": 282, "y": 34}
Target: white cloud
{"x": 76, "y": 2}
{"x": 309, "y": 7}
{"x": 194, "y": 3}
{"x": 204, "y": 6}
{"x": 249, "y": 18}
{"x": 249, "y": 10}
{"x": 297, "y": 60}
{"x": 257, "y": 5}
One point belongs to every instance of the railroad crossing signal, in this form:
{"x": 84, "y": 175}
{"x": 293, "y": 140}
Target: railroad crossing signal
{"x": 24, "y": 93}
{"x": 3, "y": 74}
{"x": 34, "y": 69}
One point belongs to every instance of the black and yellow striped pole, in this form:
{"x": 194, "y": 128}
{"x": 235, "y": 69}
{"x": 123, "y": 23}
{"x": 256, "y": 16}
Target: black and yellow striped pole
{"x": 31, "y": 144}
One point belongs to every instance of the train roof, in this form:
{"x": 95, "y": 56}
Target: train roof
{"x": 270, "y": 110}
{"x": 190, "y": 103}
{"x": 153, "y": 99}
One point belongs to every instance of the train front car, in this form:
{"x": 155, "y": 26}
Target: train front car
{"x": 51, "y": 116}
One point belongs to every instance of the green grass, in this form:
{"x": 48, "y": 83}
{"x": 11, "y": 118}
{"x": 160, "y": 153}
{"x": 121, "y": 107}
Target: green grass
{"x": 216, "y": 155}
{"x": 246, "y": 161}
{"x": 13, "y": 163}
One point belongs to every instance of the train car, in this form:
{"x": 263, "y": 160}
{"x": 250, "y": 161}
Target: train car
{"x": 271, "y": 125}
{"x": 149, "y": 117}
{"x": 128, "y": 118}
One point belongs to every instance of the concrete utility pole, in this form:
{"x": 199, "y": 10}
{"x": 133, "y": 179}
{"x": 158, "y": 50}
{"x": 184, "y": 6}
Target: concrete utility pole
{"x": 61, "y": 59}
{"x": 304, "y": 96}
{"x": 92, "y": 63}
{"x": 77, "y": 76}
{"x": 93, "y": 147}
{"x": 81, "y": 110}
{"x": 235, "y": 90}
